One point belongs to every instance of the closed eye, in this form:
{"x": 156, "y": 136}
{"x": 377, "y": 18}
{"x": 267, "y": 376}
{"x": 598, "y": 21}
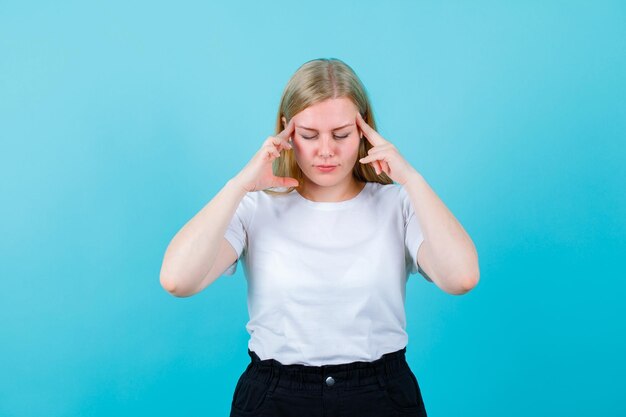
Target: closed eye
{"x": 336, "y": 137}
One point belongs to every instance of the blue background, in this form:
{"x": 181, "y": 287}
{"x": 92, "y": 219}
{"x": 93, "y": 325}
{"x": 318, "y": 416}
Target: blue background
{"x": 120, "y": 120}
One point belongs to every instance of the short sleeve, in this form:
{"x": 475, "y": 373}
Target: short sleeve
{"x": 413, "y": 236}
{"x": 237, "y": 230}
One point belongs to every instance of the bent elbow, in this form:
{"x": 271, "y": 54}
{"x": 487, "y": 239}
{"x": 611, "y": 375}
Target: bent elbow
{"x": 466, "y": 283}
{"x": 170, "y": 286}
{"x": 462, "y": 282}
{"x": 167, "y": 284}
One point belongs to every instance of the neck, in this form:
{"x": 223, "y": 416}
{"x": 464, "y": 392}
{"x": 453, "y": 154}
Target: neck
{"x": 336, "y": 193}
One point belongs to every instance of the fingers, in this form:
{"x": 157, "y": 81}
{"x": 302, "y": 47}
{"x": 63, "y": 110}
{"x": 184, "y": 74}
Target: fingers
{"x": 372, "y": 136}
{"x": 370, "y": 158}
{"x": 280, "y": 140}
{"x": 276, "y": 144}
{"x": 374, "y": 160}
{"x": 273, "y": 145}
{"x": 378, "y": 167}
{"x": 287, "y": 131}
{"x": 270, "y": 151}
{"x": 384, "y": 165}
{"x": 279, "y": 143}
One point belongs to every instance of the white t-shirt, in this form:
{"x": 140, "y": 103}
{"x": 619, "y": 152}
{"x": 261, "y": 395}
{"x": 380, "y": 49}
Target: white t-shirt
{"x": 326, "y": 280}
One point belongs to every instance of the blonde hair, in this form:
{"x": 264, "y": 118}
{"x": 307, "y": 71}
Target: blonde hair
{"x": 315, "y": 81}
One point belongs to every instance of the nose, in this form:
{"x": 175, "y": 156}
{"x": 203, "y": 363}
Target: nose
{"x": 326, "y": 147}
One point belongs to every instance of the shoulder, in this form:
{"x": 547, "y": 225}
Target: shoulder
{"x": 387, "y": 191}
{"x": 271, "y": 197}
{"x": 391, "y": 197}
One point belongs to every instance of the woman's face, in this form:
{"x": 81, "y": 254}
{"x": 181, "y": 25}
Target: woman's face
{"x": 326, "y": 135}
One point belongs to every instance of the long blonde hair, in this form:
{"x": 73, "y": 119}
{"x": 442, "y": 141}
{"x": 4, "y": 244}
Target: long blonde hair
{"x": 315, "y": 81}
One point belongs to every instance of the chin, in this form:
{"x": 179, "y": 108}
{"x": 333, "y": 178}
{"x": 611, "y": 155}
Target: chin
{"x": 326, "y": 180}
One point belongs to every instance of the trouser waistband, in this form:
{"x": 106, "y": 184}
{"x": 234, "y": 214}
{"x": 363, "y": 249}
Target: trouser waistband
{"x": 317, "y": 378}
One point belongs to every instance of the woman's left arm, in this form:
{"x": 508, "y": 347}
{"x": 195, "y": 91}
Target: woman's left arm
{"x": 447, "y": 254}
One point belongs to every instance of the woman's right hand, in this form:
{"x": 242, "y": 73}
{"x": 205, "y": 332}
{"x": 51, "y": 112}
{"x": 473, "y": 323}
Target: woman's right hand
{"x": 258, "y": 175}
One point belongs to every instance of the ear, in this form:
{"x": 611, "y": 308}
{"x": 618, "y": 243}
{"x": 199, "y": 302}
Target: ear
{"x": 284, "y": 122}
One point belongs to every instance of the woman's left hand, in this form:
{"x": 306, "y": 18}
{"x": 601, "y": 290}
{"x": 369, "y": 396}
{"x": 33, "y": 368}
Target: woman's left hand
{"x": 383, "y": 156}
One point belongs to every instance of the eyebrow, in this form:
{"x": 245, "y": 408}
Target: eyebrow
{"x": 337, "y": 128}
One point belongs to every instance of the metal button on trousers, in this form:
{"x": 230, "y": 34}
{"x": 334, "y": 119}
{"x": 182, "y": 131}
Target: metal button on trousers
{"x": 380, "y": 388}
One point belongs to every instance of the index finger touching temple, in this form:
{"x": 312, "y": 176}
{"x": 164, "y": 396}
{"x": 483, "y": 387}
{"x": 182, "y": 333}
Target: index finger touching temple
{"x": 286, "y": 132}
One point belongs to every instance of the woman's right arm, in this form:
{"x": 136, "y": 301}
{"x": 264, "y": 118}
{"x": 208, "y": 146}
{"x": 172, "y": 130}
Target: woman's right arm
{"x": 192, "y": 252}
{"x": 198, "y": 254}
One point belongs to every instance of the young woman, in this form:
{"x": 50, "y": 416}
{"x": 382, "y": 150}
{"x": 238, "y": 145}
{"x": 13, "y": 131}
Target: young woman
{"x": 327, "y": 254}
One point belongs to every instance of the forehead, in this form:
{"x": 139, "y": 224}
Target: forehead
{"x": 327, "y": 114}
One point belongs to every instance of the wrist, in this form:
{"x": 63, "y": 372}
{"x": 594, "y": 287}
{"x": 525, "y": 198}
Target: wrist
{"x": 412, "y": 177}
{"x": 236, "y": 182}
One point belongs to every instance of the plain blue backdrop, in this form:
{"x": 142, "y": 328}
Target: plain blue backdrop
{"x": 120, "y": 120}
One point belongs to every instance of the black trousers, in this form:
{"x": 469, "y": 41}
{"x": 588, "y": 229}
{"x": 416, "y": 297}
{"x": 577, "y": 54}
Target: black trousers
{"x": 383, "y": 388}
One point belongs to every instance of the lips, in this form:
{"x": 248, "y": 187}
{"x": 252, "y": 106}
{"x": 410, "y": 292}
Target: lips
{"x": 326, "y": 168}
